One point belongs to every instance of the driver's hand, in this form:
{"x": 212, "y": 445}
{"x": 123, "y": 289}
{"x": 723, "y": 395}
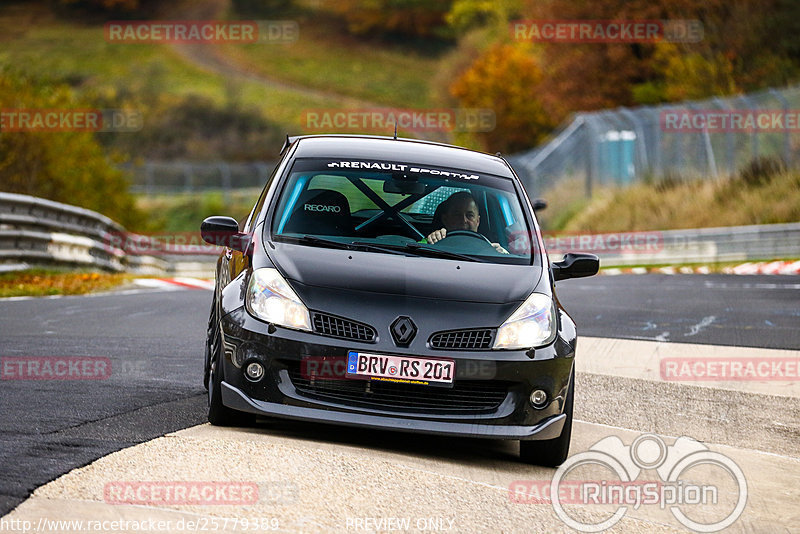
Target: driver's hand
{"x": 499, "y": 249}
{"x": 436, "y": 236}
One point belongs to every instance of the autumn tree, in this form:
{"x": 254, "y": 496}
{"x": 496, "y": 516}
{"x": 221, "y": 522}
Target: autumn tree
{"x": 65, "y": 166}
{"x": 505, "y": 80}
{"x": 418, "y": 18}
{"x": 745, "y": 46}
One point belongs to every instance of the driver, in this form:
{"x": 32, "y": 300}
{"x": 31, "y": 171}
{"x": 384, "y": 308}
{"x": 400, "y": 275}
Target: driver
{"x": 460, "y": 212}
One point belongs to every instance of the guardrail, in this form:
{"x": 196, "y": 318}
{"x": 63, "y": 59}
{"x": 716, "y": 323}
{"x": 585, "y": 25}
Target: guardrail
{"x": 38, "y": 231}
{"x": 680, "y": 247}
{"x": 35, "y": 231}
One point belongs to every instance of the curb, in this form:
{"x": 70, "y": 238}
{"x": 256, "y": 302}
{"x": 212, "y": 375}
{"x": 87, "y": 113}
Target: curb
{"x": 176, "y": 283}
{"x": 774, "y": 267}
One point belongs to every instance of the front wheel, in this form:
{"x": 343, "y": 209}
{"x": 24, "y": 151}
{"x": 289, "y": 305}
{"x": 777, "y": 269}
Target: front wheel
{"x": 551, "y": 452}
{"x": 218, "y": 413}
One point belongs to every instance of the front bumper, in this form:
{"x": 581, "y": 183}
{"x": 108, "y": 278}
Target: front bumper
{"x": 489, "y": 398}
{"x": 550, "y": 428}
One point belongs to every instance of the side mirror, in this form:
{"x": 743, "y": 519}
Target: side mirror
{"x": 224, "y": 232}
{"x": 539, "y": 204}
{"x": 575, "y": 266}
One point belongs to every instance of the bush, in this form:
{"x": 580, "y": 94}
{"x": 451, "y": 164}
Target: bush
{"x": 261, "y": 8}
{"x": 415, "y": 18}
{"x": 669, "y": 181}
{"x": 65, "y": 166}
{"x": 195, "y": 128}
{"x": 505, "y": 79}
{"x": 761, "y": 170}
{"x": 99, "y": 10}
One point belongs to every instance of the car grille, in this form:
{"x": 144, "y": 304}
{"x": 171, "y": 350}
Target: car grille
{"x": 330, "y": 325}
{"x": 462, "y": 339}
{"x": 465, "y": 397}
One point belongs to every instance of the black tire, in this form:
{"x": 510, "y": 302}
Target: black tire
{"x": 211, "y": 340}
{"x": 551, "y": 452}
{"x": 218, "y": 413}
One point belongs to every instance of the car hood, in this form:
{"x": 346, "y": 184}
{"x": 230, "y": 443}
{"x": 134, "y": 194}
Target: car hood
{"x": 399, "y": 275}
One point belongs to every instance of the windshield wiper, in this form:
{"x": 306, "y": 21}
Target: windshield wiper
{"x": 382, "y": 248}
{"x": 437, "y": 252}
{"x": 312, "y": 239}
{"x": 422, "y": 250}
{"x": 330, "y": 243}
{"x": 413, "y": 248}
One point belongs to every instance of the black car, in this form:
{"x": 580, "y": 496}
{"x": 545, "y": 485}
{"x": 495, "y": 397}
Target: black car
{"x": 395, "y": 284}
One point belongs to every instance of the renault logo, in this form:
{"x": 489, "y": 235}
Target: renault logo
{"x": 403, "y": 331}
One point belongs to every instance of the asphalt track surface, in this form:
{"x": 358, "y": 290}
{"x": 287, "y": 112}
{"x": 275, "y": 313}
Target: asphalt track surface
{"x": 154, "y": 342}
{"x": 751, "y": 311}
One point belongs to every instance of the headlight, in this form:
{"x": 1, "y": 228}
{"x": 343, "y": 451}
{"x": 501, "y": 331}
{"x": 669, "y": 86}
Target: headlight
{"x": 532, "y": 325}
{"x": 271, "y": 299}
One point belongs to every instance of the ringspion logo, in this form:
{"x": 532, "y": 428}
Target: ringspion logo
{"x": 584, "y": 492}
{"x": 691, "y": 478}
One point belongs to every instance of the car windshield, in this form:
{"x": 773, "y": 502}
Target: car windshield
{"x": 403, "y": 208}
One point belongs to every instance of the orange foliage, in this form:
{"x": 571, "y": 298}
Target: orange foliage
{"x": 746, "y": 45}
{"x": 505, "y": 79}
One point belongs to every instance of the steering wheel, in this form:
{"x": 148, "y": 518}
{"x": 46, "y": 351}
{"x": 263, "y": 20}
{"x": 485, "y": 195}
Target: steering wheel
{"x": 467, "y": 233}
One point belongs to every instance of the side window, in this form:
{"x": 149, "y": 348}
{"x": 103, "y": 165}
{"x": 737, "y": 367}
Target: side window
{"x": 246, "y": 227}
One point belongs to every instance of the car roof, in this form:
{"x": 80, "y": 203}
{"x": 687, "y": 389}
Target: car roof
{"x": 397, "y": 150}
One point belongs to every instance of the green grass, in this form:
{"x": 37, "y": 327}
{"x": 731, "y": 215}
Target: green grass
{"x": 50, "y": 49}
{"x": 334, "y": 65}
{"x": 325, "y": 59}
{"x": 184, "y": 212}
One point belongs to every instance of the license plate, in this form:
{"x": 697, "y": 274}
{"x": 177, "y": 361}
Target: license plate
{"x": 385, "y": 368}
